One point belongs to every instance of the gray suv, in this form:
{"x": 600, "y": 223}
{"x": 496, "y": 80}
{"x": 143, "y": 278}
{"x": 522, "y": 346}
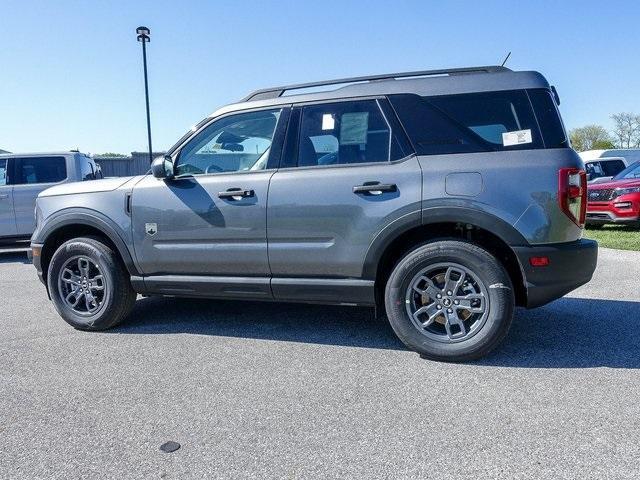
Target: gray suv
{"x": 443, "y": 198}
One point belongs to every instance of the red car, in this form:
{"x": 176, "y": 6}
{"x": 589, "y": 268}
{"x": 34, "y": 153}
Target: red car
{"x": 616, "y": 201}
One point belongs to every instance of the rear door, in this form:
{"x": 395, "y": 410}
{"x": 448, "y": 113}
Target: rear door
{"x": 32, "y": 176}
{"x": 345, "y": 178}
{"x": 7, "y": 216}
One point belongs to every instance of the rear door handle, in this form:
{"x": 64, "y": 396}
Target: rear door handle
{"x": 236, "y": 194}
{"x": 3, "y": 196}
{"x": 375, "y": 188}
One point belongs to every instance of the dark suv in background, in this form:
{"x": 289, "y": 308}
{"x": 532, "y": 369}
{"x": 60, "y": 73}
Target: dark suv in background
{"x": 444, "y": 198}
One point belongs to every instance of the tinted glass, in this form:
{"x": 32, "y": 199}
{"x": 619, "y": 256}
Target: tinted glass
{"x": 632, "y": 171}
{"x": 612, "y": 167}
{"x": 40, "y": 170}
{"x": 548, "y": 118}
{"x": 343, "y": 133}
{"x": 239, "y": 142}
{"x": 477, "y": 122}
{"x": 3, "y": 172}
{"x": 594, "y": 170}
{"x": 86, "y": 170}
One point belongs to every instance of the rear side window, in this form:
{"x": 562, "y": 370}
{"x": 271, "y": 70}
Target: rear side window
{"x": 40, "y": 170}
{"x": 612, "y": 167}
{"x": 467, "y": 123}
{"x": 345, "y": 133}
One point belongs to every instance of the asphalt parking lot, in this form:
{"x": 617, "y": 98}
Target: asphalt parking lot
{"x": 257, "y": 390}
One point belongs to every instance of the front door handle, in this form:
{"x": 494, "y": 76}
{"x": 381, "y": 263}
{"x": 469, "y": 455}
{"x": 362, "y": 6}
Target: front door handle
{"x": 236, "y": 194}
{"x": 375, "y": 188}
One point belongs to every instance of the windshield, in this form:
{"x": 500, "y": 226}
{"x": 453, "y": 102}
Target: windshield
{"x": 632, "y": 171}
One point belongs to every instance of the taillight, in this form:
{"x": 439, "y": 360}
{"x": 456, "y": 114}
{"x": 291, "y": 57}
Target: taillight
{"x": 572, "y": 194}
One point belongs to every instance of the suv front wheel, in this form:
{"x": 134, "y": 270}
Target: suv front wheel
{"x": 88, "y": 284}
{"x": 450, "y": 300}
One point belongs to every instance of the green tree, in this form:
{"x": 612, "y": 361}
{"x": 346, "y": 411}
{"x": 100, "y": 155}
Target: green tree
{"x": 603, "y": 145}
{"x": 589, "y": 137}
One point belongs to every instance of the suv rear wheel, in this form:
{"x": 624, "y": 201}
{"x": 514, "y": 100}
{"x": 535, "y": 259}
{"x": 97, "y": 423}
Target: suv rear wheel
{"x": 450, "y": 300}
{"x": 89, "y": 286}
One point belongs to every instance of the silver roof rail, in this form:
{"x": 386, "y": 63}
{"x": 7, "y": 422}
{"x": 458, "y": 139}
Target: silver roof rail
{"x": 275, "y": 92}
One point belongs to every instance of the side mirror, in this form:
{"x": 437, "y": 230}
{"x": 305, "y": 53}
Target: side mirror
{"x": 162, "y": 167}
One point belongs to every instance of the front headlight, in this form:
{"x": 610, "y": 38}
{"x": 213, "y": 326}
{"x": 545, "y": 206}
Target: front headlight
{"x": 625, "y": 191}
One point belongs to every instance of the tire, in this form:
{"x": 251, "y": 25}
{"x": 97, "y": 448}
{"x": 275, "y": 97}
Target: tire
{"x": 464, "y": 334}
{"x": 110, "y": 297}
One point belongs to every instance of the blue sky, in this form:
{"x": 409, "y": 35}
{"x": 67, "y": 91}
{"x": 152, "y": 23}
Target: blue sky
{"x": 70, "y": 72}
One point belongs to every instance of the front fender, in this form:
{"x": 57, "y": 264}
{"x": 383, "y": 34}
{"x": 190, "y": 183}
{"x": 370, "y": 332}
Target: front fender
{"x": 118, "y": 234}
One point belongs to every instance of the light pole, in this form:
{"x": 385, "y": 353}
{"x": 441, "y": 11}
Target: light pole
{"x": 144, "y": 37}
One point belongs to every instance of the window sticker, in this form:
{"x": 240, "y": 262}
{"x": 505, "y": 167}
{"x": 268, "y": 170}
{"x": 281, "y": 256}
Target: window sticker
{"x": 518, "y": 137}
{"x": 328, "y": 122}
{"x": 353, "y": 128}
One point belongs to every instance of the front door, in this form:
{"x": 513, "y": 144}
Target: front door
{"x": 210, "y": 220}
{"x": 7, "y": 217}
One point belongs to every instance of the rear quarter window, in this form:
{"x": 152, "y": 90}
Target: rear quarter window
{"x": 467, "y": 123}
{"x": 548, "y": 118}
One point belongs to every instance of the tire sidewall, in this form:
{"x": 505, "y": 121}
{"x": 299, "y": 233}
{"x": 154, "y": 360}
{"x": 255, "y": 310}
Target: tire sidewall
{"x": 488, "y": 271}
{"x": 60, "y": 257}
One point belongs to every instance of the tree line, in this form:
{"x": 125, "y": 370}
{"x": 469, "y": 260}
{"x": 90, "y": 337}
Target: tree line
{"x": 625, "y": 134}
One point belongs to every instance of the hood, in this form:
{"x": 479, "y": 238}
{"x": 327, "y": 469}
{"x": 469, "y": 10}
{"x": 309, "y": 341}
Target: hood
{"x": 629, "y": 182}
{"x": 90, "y": 186}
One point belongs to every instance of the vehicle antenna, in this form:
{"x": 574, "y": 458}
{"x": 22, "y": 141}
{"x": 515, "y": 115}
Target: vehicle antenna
{"x": 505, "y": 59}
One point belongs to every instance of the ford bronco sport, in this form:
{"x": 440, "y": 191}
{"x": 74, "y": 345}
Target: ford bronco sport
{"x": 445, "y": 198}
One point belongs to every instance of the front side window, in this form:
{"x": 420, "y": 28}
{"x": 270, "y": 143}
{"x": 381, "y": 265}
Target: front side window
{"x": 3, "y": 172}
{"x": 343, "y": 133}
{"x": 40, "y": 170}
{"x": 468, "y": 123}
{"x": 240, "y": 142}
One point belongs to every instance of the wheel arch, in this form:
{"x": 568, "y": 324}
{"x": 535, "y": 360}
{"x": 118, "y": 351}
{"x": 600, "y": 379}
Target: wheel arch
{"x": 75, "y": 224}
{"x": 481, "y": 228}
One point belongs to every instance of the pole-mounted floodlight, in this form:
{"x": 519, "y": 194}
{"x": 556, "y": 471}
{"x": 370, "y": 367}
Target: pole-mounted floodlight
{"x": 144, "y": 37}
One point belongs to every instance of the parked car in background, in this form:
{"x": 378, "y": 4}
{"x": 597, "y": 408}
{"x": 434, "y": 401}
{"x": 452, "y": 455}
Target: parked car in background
{"x": 24, "y": 176}
{"x": 604, "y": 169}
{"x": 630, "y": 155}
{"x": 616, "y": 201}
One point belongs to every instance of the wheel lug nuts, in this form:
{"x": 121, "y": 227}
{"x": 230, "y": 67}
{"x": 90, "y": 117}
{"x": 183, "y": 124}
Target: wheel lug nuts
{"x": 457, "y": 302}
{"x": 439, "y": 307}
{"x": 449, "y": 293}
{"x": 438, "y": 296}
{"x": 449, "y": 310}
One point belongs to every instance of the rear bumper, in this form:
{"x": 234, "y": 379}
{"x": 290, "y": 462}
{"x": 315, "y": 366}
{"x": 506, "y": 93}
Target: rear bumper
{"x": 570, "y": 265}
